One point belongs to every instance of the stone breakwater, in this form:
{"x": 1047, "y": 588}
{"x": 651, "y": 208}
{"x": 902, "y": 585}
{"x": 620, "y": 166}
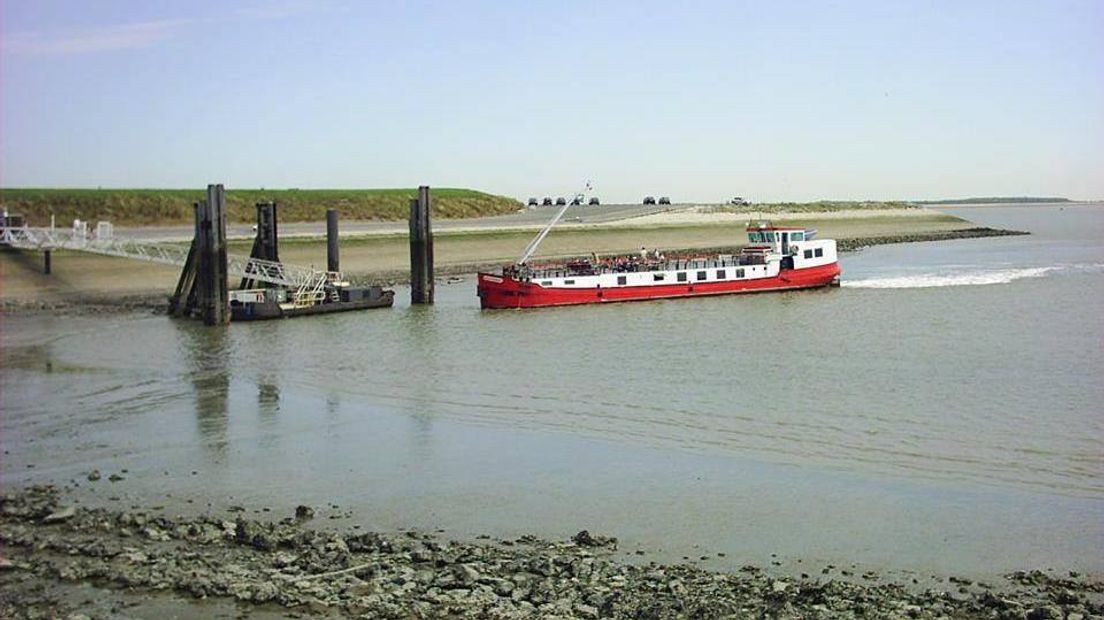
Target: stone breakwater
{"x": 306, "y": 571}
{"x": 852, "y": 244}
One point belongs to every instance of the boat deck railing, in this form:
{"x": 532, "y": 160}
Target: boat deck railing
{"x": 633, "y": 264}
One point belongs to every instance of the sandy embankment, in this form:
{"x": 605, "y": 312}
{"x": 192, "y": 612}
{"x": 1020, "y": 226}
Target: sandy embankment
{"x": 383, "y": 254}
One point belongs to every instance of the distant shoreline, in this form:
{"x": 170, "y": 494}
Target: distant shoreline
{"x": 997, "y": 200}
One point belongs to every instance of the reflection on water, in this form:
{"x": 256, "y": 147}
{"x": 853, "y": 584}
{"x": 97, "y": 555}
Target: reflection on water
{"x": 268, "y": 398}
{"x": 208, "y": 356}
{"x": 903, "y": 418}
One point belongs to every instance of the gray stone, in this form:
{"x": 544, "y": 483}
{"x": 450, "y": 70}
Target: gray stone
{"x": 60, "y": 515}
{"x": 466, "y": 574}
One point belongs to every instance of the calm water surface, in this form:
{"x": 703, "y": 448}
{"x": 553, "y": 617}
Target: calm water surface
{"x": 939, "y": 412}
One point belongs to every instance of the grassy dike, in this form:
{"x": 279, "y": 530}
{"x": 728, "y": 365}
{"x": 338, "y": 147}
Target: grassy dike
{"x": 162, "y": 207}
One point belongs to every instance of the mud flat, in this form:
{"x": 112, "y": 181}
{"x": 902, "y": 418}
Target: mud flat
{"x": 50, "y": 544}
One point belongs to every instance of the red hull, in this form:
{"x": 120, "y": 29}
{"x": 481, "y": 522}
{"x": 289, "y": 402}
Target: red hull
{"x": 496, "y": 291}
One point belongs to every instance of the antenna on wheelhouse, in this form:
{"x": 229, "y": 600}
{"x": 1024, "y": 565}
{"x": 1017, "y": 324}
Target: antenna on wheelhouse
{"x": 578, "y": 197}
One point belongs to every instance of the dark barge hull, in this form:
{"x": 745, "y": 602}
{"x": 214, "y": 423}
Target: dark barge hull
{"x": 271, "y": 310}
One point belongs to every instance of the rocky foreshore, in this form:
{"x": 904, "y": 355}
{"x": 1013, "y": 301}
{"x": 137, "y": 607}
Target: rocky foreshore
{"x": 88, "y": 305}
{"x": 46, "y": 542}
{"x": 852, "y": 244}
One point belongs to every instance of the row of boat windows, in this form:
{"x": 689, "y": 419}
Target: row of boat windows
{"x": 681, "y": 276}
{"x": 771, "y": 237}
{"x": 817, "y": 252}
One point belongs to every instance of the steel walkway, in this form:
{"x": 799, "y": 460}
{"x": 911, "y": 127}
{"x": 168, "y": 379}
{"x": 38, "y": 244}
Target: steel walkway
{"x": 103, "y": 241}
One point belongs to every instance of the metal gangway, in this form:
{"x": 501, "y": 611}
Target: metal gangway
{"x": 102, "y": 240}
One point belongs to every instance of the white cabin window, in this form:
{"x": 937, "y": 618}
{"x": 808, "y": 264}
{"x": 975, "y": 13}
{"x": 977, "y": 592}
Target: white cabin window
{"x": 569, "y": 281}
{"x": 797, "y": 236}
{"x": 546, "y": 282}
{"x": 701, "y": 275}
{"x": 622, "y": 280}
{"x": 819, "y": 252}
{"x": 740, "y": 273}
{"x": 658, "y": 277}
{"x": 720, "y": 274}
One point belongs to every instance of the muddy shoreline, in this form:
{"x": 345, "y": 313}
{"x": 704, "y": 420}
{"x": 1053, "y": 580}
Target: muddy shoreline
{"x": 47, "y": 541}
{"x": 156, "y": 302}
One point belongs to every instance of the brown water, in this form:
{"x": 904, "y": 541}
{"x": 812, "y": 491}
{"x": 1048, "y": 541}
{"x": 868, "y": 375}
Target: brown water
{"x": 939, "y": 412}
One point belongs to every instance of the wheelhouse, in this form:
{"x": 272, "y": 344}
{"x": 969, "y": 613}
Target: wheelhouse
{"x": 778, "y": 238}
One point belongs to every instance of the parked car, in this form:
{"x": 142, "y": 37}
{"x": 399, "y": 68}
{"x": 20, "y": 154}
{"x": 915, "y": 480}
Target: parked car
{"x": 664, "y": 200}
{"x": 576, "y": 201}
{"x": 547, "y": 202}
{"x": 649, "y": 200}
{"x": 561, "y": 201}
{"x": 738, "y": 200}
{"x": 533, "y": 202}
{"x": 594, "y": 202}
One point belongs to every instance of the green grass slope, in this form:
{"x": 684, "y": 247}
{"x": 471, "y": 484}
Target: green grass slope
{"x": 147, "y": 207}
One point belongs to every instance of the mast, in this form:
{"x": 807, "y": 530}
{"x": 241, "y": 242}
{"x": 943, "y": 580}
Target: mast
{"x": 532, "y": 247}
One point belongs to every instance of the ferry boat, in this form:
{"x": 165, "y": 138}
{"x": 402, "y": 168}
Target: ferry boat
{"x": 777, "y": 258}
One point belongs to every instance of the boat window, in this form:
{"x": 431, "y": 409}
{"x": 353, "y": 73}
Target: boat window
{"x": 569, "y": 281}
{"x": 819, "y": 252}
{"x": 701, "y": 275}
{"x": 621, "y": 280}
{"x": 770, "y": 236}
{"x": 808, "y": 253}
{"x": 682, "y": 276}
{"x": 546, "y": 282}
{"x": 740, "y": 273}
{"x": 754, "y": 237}
{"x": 658, "y": 277}
{"x": 797, "y": 236}
{"x": 720, "y": 274}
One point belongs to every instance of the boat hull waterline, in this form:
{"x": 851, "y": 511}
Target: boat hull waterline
{"x": 498, "y": 291}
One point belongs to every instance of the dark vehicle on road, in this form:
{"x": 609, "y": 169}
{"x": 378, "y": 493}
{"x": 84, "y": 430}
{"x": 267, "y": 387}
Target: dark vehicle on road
{"x": 547, "y": 201}
{"x": 594, "y": 201}
{"x": 576, "y": 201}
{"x": 561, "y": 201}
{"x": 664, "y": 201}
{"x": 533, "y": 202}
{"x": 649, "y": 200}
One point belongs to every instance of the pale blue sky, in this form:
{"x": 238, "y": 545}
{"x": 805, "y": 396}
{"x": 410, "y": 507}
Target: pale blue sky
{"x": 694, "y": 100}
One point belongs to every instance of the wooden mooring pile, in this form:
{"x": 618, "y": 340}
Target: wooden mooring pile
{"x": 203, "y": 287}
